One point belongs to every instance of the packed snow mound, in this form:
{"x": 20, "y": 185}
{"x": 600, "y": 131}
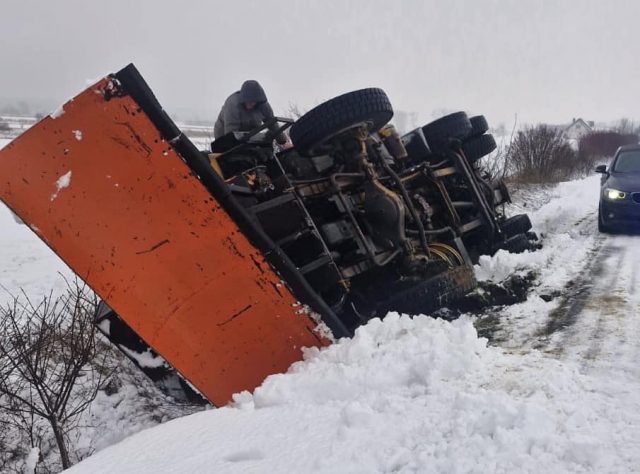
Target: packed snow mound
{"x": 565, "y": 241}
{"x": 404, "y": 394}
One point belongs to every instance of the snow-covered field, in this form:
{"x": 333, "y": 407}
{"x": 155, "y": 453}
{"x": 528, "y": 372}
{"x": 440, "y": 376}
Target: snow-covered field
{"x": 558, "y": 390}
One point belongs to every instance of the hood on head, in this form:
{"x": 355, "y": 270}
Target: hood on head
{"x": 251, "y": 91}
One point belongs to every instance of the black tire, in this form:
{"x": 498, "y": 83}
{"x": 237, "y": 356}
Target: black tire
{"x": 476, "y": 148}
{"x": 479, "y": 126}
{"x": 519, "y": 224}
{"x": 311, "y": 131}
{"x": 602, "y": 227}
{"x": 516, "y": 244}
{"x": 439, "y": 133}
{"x": 416, "y": 146}
{"x": 432, "y": 294}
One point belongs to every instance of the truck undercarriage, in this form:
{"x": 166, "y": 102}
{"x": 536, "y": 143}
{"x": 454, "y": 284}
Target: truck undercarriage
{"x": 222, "y": 262}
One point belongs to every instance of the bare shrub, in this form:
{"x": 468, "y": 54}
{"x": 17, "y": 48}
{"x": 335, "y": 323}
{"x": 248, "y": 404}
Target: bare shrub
{"x": 46, "y": 376}
{"x": 540, "y": 154}
{"x": 597, "y": 146}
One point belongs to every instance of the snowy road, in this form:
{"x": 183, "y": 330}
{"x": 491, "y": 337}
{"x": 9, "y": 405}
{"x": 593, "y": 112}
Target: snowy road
{"x": 557, "y": 390}
{"x": 597, "y": 327}
{"x": 599, "y": 316}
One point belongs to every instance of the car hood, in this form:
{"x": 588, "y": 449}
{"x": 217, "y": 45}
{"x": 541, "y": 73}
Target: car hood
{"x": 627, "y": 182}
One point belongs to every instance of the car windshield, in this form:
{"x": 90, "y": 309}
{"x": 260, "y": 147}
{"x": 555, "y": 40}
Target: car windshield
{"x": 628, "y": 162}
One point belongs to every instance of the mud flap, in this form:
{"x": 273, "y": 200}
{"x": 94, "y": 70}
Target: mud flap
{"x": 100, "y": 182}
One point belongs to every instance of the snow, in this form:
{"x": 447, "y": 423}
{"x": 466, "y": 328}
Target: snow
{"x": 411, "y": 394}
{"x": 62, "y": 182}
{"x": 77, "y": 134}
{"x": 408, "y": 395}
{"x": 58, "y": 112}
{"x": 32, "y": 460}
{"x": 556, "y": 223}
{"x": 426, "y": 395}
{"x": 145, "y": 359}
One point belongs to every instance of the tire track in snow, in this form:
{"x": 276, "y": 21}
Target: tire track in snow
{"x": 572, "y": 304}
{"x": 570, "y": 253}
{"x": 597, "y": 322}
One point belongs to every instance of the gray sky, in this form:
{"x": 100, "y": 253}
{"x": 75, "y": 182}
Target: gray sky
{"x": 544, "y": 60}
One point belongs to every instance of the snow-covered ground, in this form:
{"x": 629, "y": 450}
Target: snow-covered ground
{"x": 560, "y": 393}
{"x": 557, "y": 390}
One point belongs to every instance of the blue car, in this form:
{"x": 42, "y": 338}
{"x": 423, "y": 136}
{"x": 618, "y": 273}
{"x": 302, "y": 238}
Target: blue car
{"x": 620, "y": 191}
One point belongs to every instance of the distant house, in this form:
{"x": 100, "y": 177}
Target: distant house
{"x": 577, "y": 129}
{"x": 574, "y": 131}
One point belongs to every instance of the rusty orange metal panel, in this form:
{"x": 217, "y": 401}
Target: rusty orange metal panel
{"x": 102, "y": 188}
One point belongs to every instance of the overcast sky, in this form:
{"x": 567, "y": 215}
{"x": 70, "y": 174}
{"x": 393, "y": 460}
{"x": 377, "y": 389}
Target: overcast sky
{"x": 546, "y": 61}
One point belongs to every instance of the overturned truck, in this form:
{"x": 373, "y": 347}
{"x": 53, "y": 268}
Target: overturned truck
{"x": 217, "y": 267}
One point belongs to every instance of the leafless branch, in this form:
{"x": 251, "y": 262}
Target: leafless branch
{"x": 46, "y": 371}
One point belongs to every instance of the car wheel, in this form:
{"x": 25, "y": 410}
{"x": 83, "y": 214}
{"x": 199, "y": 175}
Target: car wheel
{"x": 311, "y": 132}
{"x": 476, "y": 148}
{"x": 479, "y": 126}
{"x": 439, "y": 133}
{"x": 602, "y": 227}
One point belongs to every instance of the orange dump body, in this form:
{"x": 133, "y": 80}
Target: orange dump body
{"x": 100, "y": 185}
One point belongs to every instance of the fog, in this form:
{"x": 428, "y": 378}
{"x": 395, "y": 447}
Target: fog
{"x": 544, "y": 61}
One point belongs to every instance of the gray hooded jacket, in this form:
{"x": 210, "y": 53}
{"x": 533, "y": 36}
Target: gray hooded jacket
{"x": 234, "y": 117}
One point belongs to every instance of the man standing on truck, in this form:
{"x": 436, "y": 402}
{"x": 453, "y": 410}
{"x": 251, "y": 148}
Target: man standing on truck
{"x": 245, "y": 110}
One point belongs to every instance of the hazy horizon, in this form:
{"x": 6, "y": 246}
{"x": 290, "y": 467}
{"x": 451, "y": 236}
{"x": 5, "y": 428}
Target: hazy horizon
{"x": 544, "y": 61}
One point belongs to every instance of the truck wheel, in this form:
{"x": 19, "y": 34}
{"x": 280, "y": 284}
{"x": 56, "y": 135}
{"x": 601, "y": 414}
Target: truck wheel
{"x": 476, "y": 148}
{"x": 519, "y": 224}
{"x": 429, "y": 295}
{"x": 416, "y": 146}
{"x": 516, "y": 244}
{"x": 366, "y": 106}
{"x": 479, "y": 125}
{"x": 440, "y": 132}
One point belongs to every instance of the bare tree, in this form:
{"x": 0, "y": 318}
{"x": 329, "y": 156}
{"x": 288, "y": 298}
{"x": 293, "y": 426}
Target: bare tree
{"x": 294, "y": 111}
{"x": 497, "y": 165}
{"x": 599, "y": 146}
{"x": 626, "y": 126}
{"x": 45, "y": 370}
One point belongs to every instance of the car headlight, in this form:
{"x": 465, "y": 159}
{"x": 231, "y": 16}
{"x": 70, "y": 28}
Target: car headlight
{"x": 614, "y": 194}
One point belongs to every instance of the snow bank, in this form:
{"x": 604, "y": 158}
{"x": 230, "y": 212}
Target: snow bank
{"x": 407, "y": 395}
{"x": 566, "y": 240}
{"x": 567, "y": 227}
